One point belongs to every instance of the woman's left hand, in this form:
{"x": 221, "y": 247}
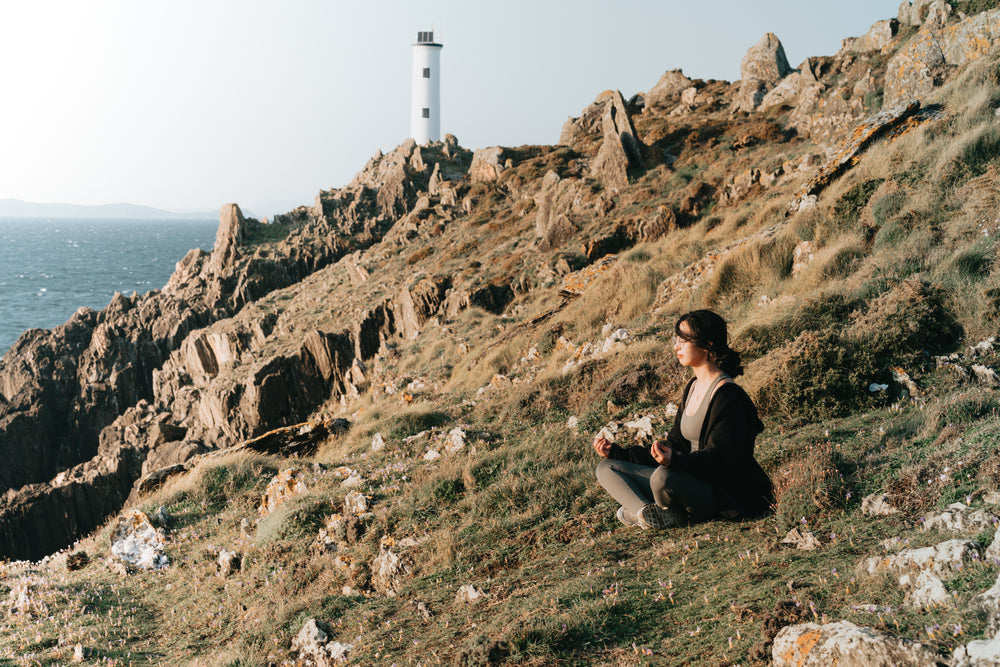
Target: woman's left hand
{"x": 661, "y": 452}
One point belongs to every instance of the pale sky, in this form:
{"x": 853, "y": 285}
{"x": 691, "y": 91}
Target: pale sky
{"x": 189, "y": 104}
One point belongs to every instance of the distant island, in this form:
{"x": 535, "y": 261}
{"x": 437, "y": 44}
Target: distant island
{"x": 16, "y": 208}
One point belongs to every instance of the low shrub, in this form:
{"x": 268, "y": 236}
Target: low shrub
{"x": 808, "y": 487}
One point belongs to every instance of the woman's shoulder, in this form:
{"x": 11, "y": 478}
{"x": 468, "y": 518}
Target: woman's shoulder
{"x": 730, "y": 394}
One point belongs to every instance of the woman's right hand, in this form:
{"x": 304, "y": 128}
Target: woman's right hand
{"x": 602, "y": 446}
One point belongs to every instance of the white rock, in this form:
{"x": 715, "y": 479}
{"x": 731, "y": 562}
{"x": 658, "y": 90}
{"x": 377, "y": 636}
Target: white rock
{"x": 455, "y": 441}
{"x": 378, "y": 443}
{"x": 643, "y": 426}
{"x": 572, "y": 422}
{"x": 940, "y": 559}
{"x": 284, "y": 485}
{"x": 845, "y": 645}
{"x": 432, "y": 455}
{"x": 355, "y": 503}
{"x": 312, "y": 646}
{"x": 671, "y": 410}
{"x": 875, "y": 387}
{"x": 620, "y": 335}
{"x": 985, "y": 375}
{"x": 229, "y": 563}
{"x": 993, "y": 551}
{"x": 960, "y": 518}
{"x": 926, "y": 590}
{"x": 470, "y": 594}
{"x": 802, "y": 540}
{"x": 388, "y": 571}
{"x": 135, "y": 541}
{"x": 354, "y": 481}
{"x": 989, "y": 603}
{"x": 992, "y": 498}
{"x": 877, "y": 504}
{"x": 980, "y": 653}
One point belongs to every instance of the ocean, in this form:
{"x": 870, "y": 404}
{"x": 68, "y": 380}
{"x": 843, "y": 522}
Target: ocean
{"x": 50, "y": 268}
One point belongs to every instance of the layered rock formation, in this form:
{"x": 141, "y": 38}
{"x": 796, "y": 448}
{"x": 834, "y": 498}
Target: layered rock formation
{"x": 75, "y": 416}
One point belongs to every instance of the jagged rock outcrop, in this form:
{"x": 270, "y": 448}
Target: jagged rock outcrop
{"x": 669, "y": 87}
{"x": 60, "y": 390}
{"x": 620, "y": 148}
{"x": 763, "y": 66}
{"x": 878, "y": 37}
{"x": 487, "y": 164}
{"x": 557, "y": 204}
{"x": 847, "y": 645}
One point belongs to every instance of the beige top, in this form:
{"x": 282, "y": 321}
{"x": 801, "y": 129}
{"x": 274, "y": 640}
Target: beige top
{"x": 691, "y": 424}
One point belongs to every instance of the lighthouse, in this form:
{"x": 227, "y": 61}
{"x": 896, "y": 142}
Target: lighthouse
{"x": 425, "y": 105}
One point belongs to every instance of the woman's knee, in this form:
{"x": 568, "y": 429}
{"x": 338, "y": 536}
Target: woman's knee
{"x": 660, "y": 479}
{"x": 603, "y": 468}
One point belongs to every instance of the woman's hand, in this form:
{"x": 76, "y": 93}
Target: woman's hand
{"x": 602, "y": 446}
{"x": 661, "y": 452}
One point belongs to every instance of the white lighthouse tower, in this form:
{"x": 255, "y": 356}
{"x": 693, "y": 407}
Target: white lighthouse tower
{"x": 425, "y": 105}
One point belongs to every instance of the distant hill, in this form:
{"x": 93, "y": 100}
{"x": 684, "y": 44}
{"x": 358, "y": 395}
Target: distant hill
{"x": 16, "y": 208}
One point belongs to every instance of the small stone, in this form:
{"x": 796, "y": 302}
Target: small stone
{"x": 988, "y": 602}
{"x": 802, "y": 540}
{"x": 572, "y": 422}
{"x": 960, "y": 518}
{"x": 877, "y": 504}
{"x": 470, "y": 594}
{"x": 979, "y": 653}
{"x": 161, "y": 517}
{"x": 136, "y": 542}
{"x": 378, "y": 443}
{"x": 927, "y": 590}
{"x": 284, "y": 485}
{"x": 229, "y": 563}
{"x": 79, "y": 653}
{"x": 844, "y": 643}
{"x": 355, "y": 503}
{"x": 643, "y": 427}
{"x": 432, "y": 455}
{"x": 455, "y": 441}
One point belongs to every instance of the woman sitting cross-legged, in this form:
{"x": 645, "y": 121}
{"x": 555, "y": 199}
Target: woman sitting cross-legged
{"x": 705, "y": 469}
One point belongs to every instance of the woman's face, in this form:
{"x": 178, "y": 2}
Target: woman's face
{"x": 688, "y": 354}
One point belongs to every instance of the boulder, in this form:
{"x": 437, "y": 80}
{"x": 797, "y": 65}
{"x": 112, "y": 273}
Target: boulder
{"x": 846, "y": 645}
{"x": 230, "y": 237}
{"x": 750, "y": 96}
{"x": 389, "y": 570}
{"x": 670, "y": 85}
{"x": 787, "y": 92}
{"x": 487, "y": 164}
{"x": 971, "y": 38}
{"x": 877, "y": 38}
{"x": 914, "y": 70}
{"x": 577, "y": 131}
{"x": 230, "y": 563}
{"x": 988, "y": 602}
{"x": 925, "y": 590}
{"x": 765, "y": 61}
{"x": 172, "y": 453}
{"x": 313, "y": 646}
{"x": 980, "y": 653}
{"x": 136, "y": 542}
{"x": 802, "y": 540}
{"x": 469, "y": 594}
{"x": 877, "y": 504}
{"x": 355, "y": 503}
{"x": 286, "y": 484}
{"x": 620, "y": 147}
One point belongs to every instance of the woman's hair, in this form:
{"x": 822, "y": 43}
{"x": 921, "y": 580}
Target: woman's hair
{"x": 707, "y": 330}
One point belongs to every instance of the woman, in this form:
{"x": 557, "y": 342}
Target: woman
{"x": 705, "y": 468}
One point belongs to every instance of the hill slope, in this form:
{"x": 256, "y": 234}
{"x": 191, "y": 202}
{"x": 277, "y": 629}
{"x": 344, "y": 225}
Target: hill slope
{"x": 426, "y": 354}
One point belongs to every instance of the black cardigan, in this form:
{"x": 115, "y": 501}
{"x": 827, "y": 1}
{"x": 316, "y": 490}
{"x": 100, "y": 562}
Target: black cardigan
{"x": 725, "y": 454}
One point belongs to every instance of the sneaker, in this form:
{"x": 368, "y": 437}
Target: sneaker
{"x": 654, "y": 516}
{"x": 627, "y": 517}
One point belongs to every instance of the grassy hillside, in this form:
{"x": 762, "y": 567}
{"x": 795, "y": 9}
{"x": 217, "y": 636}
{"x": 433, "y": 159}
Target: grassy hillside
{"x": 903, "y": 274}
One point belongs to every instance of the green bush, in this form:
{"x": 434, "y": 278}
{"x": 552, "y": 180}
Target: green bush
{"x": 295, "y": 519}
{"x": 849, "y": 205}
{"x": 887, "y": 206}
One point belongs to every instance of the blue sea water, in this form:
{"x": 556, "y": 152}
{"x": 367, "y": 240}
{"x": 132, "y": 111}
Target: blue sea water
{"x": 49, "y": 268}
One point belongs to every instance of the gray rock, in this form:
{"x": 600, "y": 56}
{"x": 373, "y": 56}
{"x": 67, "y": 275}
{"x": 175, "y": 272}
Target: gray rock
{"x": 765, "y": 61}
{"x": 924, "y": 590}
{"x": 940, "y": 559}
{"x": 960, "y": 518}
{"x": 971, "y": 38}
{"x": 913, "y": 70}
{"x": 801, "y": 540}
{"x": 670, "y": 85}
{"x": 487, "y": 164}
{"x": 230, "y": 563}
{"x": 750, "y": 96}
{"x": 980, "y": 653}
{"x": 389, "y": 570}
{"x": 988, "y": 602}
{"x": 313, "y": 646}
{"x": 877, "y": 37}
{"x": 846, "y": 645}
{"x": 470, "y": 594}
{"x": 877, "y": 504}
{"x": 620, "y": 147}
{"x": 136, "y": 542}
